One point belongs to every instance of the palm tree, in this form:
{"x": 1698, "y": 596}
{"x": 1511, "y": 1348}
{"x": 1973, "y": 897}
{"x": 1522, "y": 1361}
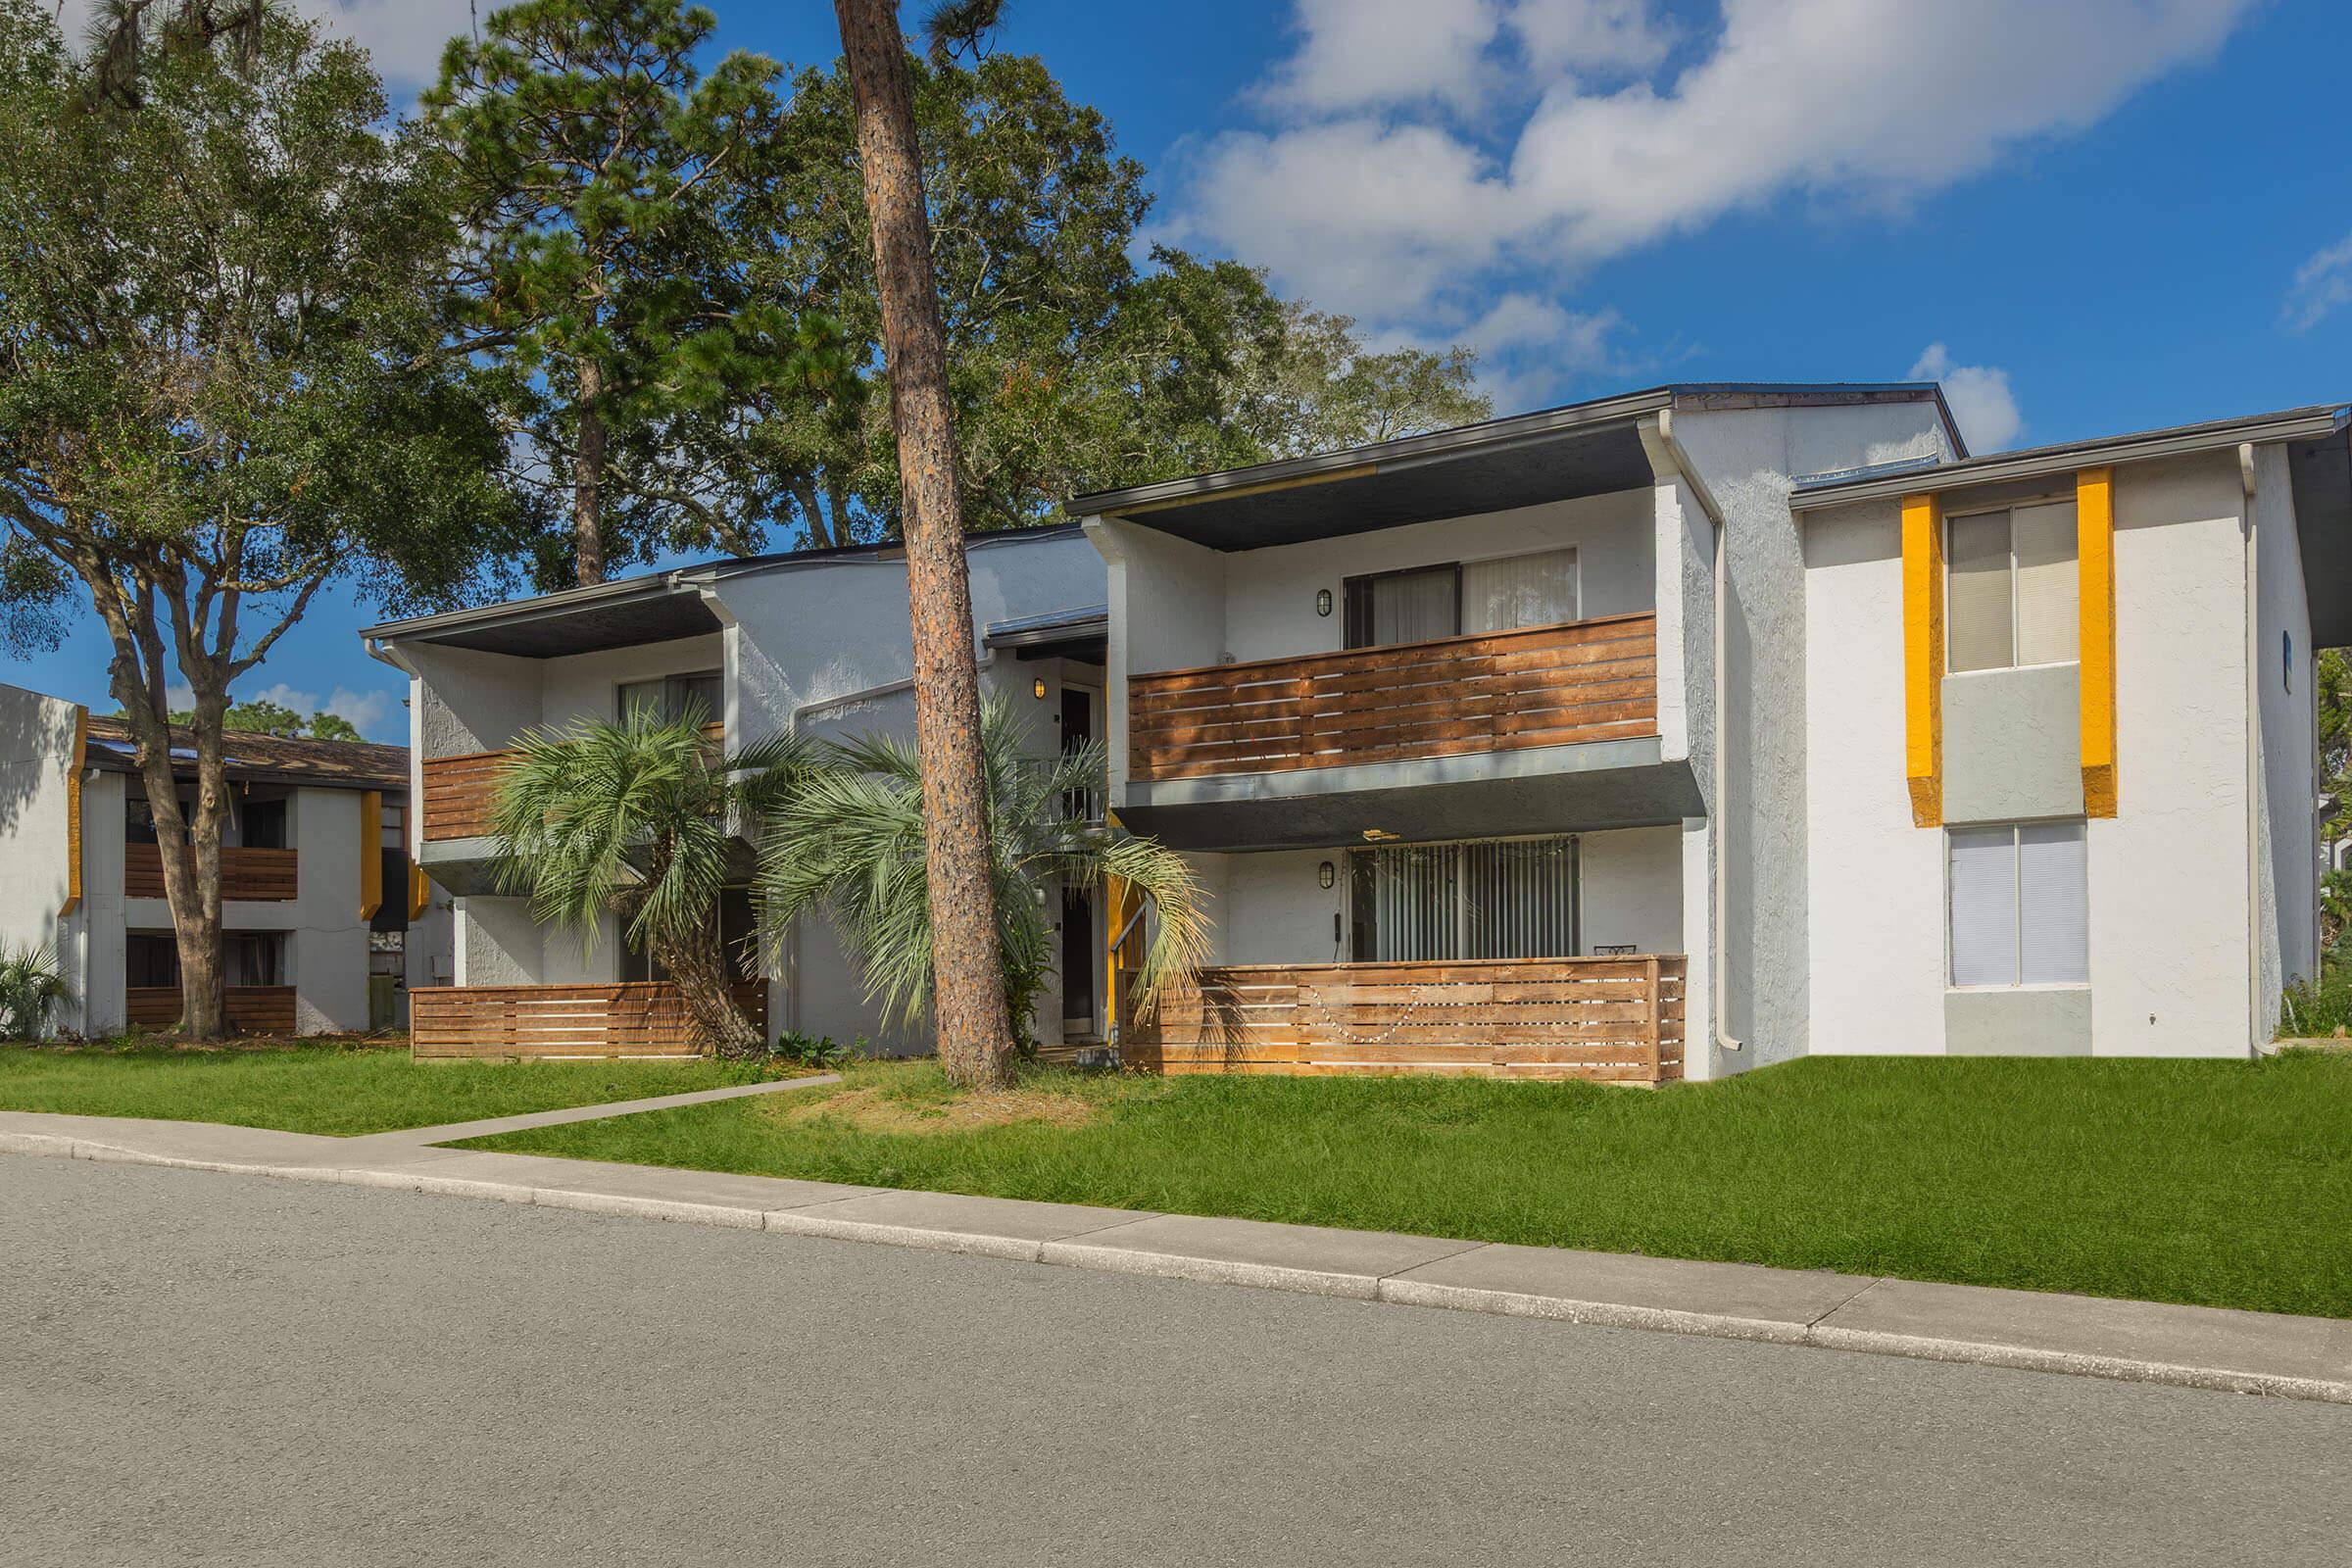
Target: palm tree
{"x": 31, "y": 988}
{"x": 637, "y": 820}
{"x": 848, "y": 835}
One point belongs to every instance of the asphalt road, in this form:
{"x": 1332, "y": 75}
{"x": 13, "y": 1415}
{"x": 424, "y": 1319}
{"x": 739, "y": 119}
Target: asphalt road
{"x": 206, "y": 1369}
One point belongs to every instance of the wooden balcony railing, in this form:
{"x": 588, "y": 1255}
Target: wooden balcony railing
{"x": 1586, "y": 680}
{"x": 249, "y": 1009}
{"x": 259, "y": 875}
{"x": 461, "y": 792}
{"x": 627, "y": 1018}
{"x": 1617, "y": 1020}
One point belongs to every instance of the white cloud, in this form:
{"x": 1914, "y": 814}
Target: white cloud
{"x": 371, "y": 712}
{"x": 2322, "y": 283}
{"x": 1398, "y": 215}
{"x": 1353, "y": 54}
{"x": 1982, "y": 406}
{"x": 404, "y": 37}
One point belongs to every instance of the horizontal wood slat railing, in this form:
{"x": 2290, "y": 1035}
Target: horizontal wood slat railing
{"x": 1586, "y": 680}
{"x": 1617, "y": 1020}
{"x": 626, "y": 1018}
{"x": 461, "y": 792}
{"x": 249, "y": 1009}
{"x": 261, "y": 875}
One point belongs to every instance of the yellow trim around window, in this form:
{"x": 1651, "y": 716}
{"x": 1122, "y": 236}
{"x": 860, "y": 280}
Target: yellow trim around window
{"x": 74, "y": 767}
{"x": 1923, "y": 658}
{"x": 371, "y": 853}
{"x": 2095, "y": 534}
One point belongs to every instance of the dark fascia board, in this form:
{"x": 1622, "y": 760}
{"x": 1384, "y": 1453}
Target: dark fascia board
{"x": 2288, "y": 424}
{"x": 1054, "y": 627}
{"x": 1464, "y": 439}
{"x": 660, "y": 585}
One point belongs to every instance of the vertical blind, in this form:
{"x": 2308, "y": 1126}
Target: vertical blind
{"x": 2020, "y": 905}
{"x": 1414, "y": 606}
{"x": 1491, "y": 899}
{"x": 2011, "y": 588}
{"x": 1532, "y": 590}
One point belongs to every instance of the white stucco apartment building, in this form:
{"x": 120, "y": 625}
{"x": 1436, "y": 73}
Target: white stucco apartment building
{"x": 324, "y": 927}
{"x": 1659, "y": 736}
{"x": 815, "y": 641}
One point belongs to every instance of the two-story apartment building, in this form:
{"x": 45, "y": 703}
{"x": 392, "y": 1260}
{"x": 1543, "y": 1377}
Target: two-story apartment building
{"x": 326, "y": 926}
{"x": 812, "y": 642}
{"x": 1680, "y": 732}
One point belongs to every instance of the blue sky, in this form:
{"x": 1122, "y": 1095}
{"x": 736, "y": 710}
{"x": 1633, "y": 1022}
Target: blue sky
{"x": 2084, "y": 215}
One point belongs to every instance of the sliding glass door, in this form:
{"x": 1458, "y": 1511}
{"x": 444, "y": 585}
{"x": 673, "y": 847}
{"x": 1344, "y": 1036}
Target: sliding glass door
{"x": 1492, "y": 899}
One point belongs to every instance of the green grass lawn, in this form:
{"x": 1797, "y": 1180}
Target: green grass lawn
{"x": 2222, "y": 1183}
{"x": 328, "y": 1088}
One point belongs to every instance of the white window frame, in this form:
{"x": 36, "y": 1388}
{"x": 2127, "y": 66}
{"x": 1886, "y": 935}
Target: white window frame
{"x": 2009, "y": 510}
{"x": 2017, "y": 921}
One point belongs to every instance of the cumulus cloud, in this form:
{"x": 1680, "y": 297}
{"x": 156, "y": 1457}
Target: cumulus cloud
{"x": 404, "y": 37}
{"x": 2322, "y": 283}
{"x": 1368, "y": 192}
{"x": 1982, "y": 406}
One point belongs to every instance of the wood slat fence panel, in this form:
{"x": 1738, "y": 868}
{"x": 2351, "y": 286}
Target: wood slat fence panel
{"x": 461, "y": 792}
{"x": 250, "y": 1010}
{"x": 627, "y": 1018}
{"x": 1613, "y": 1019}
{"x": 259, "y": 876}
{"x": 1585, "y": 680}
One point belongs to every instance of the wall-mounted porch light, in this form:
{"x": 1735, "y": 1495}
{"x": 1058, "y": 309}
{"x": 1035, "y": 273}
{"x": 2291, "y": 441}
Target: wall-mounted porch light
{"x": 1327, "y": 873}
{"x": 1322, "y": 601}
{"x": 1037, "y": 688}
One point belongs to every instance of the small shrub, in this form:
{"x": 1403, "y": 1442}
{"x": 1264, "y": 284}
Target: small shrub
{"x": 811, "y": 1050}
{"x": 2315, "y": 1009}
{"x": 31, "y": 989}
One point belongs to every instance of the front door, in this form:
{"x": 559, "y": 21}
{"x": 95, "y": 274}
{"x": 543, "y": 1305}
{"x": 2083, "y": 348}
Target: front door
{"x": 1081, "y": 963}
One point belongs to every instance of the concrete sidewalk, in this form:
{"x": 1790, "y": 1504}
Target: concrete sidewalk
{"x": 2193, "y": 1347}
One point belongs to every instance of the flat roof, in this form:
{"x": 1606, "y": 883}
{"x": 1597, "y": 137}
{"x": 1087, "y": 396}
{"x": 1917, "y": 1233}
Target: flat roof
{"x": 1579, "y": 449}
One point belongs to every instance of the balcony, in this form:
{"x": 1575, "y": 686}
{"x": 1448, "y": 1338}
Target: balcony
{"x": 1610, "y": 1020}
{"x": 622, "y": 1018}
{"x": 1585, "y": 680}
{"x": 248, "y": 1009}
{"x": 461, "y": 793}
{"x": 246, "y": 874}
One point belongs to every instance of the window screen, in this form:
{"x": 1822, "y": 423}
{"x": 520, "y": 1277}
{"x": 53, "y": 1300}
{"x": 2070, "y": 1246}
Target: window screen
{"x": 1531, "y": 590}
{"x": 2011, "y": 588}
{"x": 2020, "y": 907}
{"x": 1513, "y": 899}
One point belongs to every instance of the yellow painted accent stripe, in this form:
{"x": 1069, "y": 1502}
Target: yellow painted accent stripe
{"x": 2094, "y": 535}
{"x": 371, "y": 853}
{"x": 419, "y": 896}
{"x": 74, "y": 767}
{"x": 1923, "y": 658}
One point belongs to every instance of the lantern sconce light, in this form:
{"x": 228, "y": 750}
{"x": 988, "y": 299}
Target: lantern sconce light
{"x": 1327, "y": 873}
{"x": 1037, "y": 688}
{"x": 1322, "y": 601}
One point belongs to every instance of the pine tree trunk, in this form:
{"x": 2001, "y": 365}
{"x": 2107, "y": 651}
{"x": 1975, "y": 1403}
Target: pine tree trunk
{"x": 975, "y": 1039}
{"x": 588, "y": 479}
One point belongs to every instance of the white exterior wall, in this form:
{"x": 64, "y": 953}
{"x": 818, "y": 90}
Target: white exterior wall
{"x": 1631, "y": 888}
{"x": 2167, "y": 876}
{"x": 327, "y": 941}
{"x": 2286, "y": 746}
{"x": 36, "y": 753}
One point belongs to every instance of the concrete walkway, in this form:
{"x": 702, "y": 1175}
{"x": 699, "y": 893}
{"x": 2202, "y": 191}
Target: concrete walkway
{"x": 2193, "y": 1347}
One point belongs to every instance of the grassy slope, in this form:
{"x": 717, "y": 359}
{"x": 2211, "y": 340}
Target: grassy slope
{"x": 2223, "y": 1183}
{"x": 327, "y": 1088}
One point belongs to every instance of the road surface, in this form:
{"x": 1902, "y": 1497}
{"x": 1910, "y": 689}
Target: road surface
{"x": 209, "y": 1370}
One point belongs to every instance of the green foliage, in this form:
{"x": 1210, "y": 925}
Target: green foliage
{"x": 847, "y": 835}
{"x": 275, "y": 718}
{"x": 607, "y": 186}
{"x": 2317, "y": 1008}
{"x": 31, "y": 988}
{"x": 2335, "y": 791}
{"x": 1069, "y": 369}
{"x": 811, "y": 1050}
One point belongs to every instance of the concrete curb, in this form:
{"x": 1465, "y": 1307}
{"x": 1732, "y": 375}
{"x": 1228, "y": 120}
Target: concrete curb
{"x": 1794, "y": 1307}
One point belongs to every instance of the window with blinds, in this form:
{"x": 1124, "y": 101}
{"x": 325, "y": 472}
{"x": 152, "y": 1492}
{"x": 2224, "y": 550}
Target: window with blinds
{"x": 1423, "y": 604}
{"x": 2010, "y": 588}
{"x": 1494, "y": 899}
{"x": 2019, "y": 905}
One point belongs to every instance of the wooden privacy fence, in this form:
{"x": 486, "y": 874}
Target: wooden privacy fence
{"x": 245, "y": 873}
{"x": 1587, "y": 680}
{"x": 1617, "y": 1020}
{"x": 461, "y": 792}
{"x": 626, "y": 1018}
{"x": 249, "y": 1009}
